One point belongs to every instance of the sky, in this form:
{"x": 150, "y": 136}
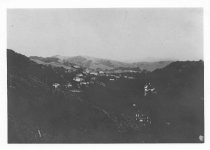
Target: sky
{"x": 124, "y": 34}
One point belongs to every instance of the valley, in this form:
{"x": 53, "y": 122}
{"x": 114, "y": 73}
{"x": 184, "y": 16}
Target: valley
{"x": 78, "y": 100}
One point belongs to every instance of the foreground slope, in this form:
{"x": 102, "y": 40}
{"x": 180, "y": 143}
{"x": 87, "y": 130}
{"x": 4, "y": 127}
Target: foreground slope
{"x": 165, "y": 105}
{"x": 39, "y": 113}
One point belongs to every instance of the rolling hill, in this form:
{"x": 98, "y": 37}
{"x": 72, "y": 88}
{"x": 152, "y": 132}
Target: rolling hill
{"x": 98, "y": 63}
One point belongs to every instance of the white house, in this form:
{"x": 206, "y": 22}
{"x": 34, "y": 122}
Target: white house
{"x": 101, "y": 73}
{"x": 117, "y": 77}
{"x": 148, "y": 89}
{"x": 77, "y": 67}
{"x": 77, "y": 79}
{"x": 131, "y": 78}
{"x": 94, "y": 73}
{"x": 87, "y": 70}
{"x": 84, "y": 83}
{"x": 68, "y": 85}
{"x": 79, "y": 75}
{"x": 125, "y": 76}
{"x": 75, "y": 91}
{"x": 56, "y": 85}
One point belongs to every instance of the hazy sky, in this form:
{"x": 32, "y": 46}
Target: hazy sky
{"x": 120, "y": 34}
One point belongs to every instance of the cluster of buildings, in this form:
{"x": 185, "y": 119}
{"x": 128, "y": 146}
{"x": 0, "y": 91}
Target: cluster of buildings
{"x": 86, "y": 77}
{"x": 83, "y": 79}
{"x": 142, "y": 118}
{"x": 149, "y": 89}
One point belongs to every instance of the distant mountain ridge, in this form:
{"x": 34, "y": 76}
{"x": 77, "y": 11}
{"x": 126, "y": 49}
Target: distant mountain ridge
{"x": 98, "y": 63}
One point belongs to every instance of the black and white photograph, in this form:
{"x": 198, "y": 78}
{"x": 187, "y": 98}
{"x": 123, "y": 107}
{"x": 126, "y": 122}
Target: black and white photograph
{"x": 105, "y": 75}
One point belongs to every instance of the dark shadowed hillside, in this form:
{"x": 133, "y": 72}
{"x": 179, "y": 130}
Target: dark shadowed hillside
{"x": 151, "y": 66}
{"x": 55, "y": 104}
{"x": 39, "y": 113}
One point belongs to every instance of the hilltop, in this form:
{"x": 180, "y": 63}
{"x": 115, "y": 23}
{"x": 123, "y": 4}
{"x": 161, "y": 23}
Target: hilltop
{"x": 98, "y": 63}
